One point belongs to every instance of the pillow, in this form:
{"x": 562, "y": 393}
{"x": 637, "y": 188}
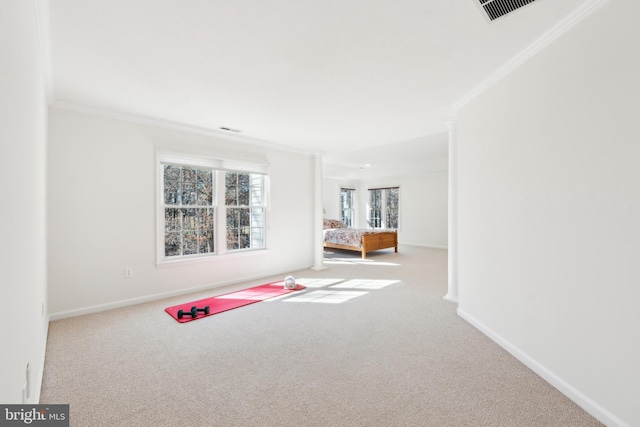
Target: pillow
{"x": 332, "y": 223}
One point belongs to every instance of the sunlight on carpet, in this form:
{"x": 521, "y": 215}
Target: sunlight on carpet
{"x": 365, "y": 284}
{"x": 317, "y": 283}
{"x": 326, "y": 297}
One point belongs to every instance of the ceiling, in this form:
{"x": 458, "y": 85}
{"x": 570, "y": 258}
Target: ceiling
{"x": 342, "y": 77}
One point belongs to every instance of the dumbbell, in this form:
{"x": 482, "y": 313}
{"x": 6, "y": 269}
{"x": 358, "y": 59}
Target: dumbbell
{"x": 193, "y": 312}
{"x": 204, "y": 310}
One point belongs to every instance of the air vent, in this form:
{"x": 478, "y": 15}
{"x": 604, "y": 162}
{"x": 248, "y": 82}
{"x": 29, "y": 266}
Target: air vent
{"x": 497, "y": 8}
{"x": 230, "y": 129}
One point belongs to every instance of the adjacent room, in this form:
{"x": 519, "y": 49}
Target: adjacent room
{"x": 162, "y": 152}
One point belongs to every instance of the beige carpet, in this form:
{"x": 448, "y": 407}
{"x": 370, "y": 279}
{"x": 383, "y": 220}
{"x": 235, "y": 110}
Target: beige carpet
{"x": 371, "y": 344}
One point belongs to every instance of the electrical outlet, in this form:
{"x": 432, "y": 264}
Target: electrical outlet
{"x": 128, "y": 273}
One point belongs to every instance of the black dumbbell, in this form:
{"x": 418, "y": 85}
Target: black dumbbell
{"x": 204, "y": 310}
{"x": 193, "y": 312}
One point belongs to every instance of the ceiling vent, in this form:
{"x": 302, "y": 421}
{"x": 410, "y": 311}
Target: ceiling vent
{"x": 497, "y": 8}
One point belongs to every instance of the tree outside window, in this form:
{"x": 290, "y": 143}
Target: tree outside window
{"x": 384, "y": 206}
{"x": 245, "y": 210}
{"x": 205, "y": 211}
{"x": 188, "y": 210}
{"x": 347, "y": 199}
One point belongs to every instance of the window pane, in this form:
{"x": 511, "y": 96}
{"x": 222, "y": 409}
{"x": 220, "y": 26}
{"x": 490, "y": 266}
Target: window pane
{"x": 243, "y": 195}
{"x": 171, "y": 172}
{"x": 232, "y": 239}
{"x": 245, "y": 225}
{"x": 244, "y": 180}
{"x": 231, "y": 189}
{"x": 256, "y": 190}
{"x": 392, "y": 208}
{"x": 172, "y": 220}
{"x": 190, "y": 244}
{"x": 188, "y": 174}
{"x": 172, "y": 192}
{"x": 188, "y": 186}
{"x": 384, "y": 207}
{"x": 346, "y": 206}
{"x": 244, "y": 217}
{"x": 233, "y": 218}
{"x": 245, "y": 239}
{"x": 204, "y": 187}
{"x": 205, "y": 230}
{"x": 172, "y": 244}
{"x": 205, "y": 244}
{"x": 257, "y": 217}
{"x": 189, "y": 220}
{"x": 375, "y": 212}
{"x": 188, "y": 231}
{"x": 189, "y": 193}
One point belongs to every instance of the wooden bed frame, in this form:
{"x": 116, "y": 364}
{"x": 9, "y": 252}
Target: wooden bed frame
{"x": 371, "y": 242}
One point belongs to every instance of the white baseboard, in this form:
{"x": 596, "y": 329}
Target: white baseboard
{"x": 40, "y": 373}
{"x": 423, "y": 245}
{"x": 154, "y": 297}
{"x": 593, "y": 408}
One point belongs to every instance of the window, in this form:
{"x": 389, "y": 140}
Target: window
{"x": 384, "y": 207}
{"x": 206, "y": 208}
{"x": 244, "y": 199}
{"x": 346, "y": 206}
{"x": 188, "y": 210}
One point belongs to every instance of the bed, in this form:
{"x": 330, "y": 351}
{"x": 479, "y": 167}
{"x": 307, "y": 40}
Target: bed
{"x": 337, "y": 235}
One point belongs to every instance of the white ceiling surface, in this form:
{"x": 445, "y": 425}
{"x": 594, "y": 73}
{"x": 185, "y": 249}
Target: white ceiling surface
{"x": 339, "y": 76}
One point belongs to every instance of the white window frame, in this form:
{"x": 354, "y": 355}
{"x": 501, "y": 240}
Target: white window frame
{"x": 184, "y": 208}
{"x": 256, "y": 223}
{"x": 384, "y": 208}
{"x": 351, "y": 208}
{"x": 219, "y": 167}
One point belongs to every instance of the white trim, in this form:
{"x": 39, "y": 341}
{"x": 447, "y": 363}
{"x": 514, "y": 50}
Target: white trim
{"x": 156, "y": 297}
{"x": 318, "y": 213}
{"x": 35, "y": 394}
{"x": 593, "y": 408}
{"x": 205, "y": 258}
{"x": 184, "y": 159}
{"x": 196, "y": 158}
{"x": 423, "y": 245}
{"x": 173, "y": 125}
{"x": 452, "y": 215}
{"x": 536, "y": 46}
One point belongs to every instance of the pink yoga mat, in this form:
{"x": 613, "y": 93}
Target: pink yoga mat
{"x": 229, "y": 301}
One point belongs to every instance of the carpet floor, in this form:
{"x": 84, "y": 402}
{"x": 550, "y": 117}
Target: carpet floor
{"x": 368, "y": 343}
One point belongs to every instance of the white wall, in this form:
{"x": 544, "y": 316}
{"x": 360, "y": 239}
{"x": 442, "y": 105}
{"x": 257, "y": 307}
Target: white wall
{"x": 423, "y": 205}
{"x": 102, "y": 190}
{"x": 331, "y": 195}
{"x": 549, "y": 213}
{"x": 23, "y": 122}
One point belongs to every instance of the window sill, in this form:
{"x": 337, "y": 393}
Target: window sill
{"x": 211, "y": 258}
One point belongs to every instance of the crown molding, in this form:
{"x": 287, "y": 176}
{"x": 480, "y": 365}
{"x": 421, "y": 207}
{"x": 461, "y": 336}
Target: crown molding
{"x": 539, "y": 44}
{"x": 177, "y": 126}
